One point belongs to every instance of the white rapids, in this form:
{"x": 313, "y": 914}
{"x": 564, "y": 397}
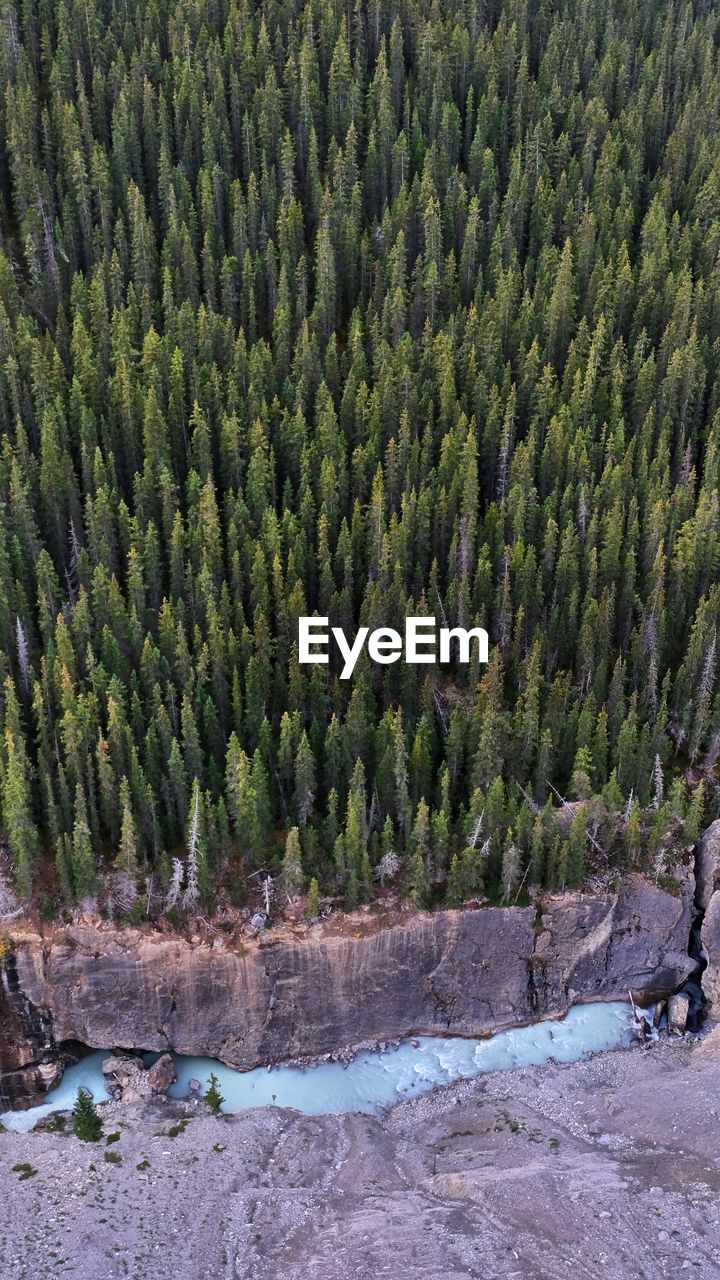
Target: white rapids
{"x": 372, "y": 1080}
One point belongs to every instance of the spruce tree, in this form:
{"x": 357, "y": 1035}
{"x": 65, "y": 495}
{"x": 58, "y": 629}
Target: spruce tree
{"x": 87, "y": 1124}
{"x": 312, "y": 905}
{"x": 292, "y": 871}
{"x": 213, "y": 1096}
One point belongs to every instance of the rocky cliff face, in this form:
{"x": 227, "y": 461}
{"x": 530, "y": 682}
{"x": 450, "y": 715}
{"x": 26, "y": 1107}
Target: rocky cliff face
{"x": 29, "y": 1064}
{"x": 451, "y": 972}
{"x": 708, "y": 906}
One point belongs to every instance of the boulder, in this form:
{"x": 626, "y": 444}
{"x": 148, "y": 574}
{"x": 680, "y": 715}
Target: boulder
{"x": 129, "y": 1096}
{"x": 162, "y": 1074}
{"x": 660, "y": 1010}
{"x": 678, "y": 1007}
{"x": 28, "y": 1085}
{"x": 121, "y": 1065}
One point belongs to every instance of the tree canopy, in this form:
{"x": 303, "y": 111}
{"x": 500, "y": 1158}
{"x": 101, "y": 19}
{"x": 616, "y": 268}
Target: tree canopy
{"x": 368, "y": 311}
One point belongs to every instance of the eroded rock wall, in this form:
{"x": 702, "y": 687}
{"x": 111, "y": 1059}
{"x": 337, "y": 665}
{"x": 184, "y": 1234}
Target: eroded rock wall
{"x": 708, "y": 906}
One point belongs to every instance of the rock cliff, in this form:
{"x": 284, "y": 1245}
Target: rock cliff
{"x": 280, "y": 996}
{"x": 29, "y": 1063}
{"x": 708, "y": 906}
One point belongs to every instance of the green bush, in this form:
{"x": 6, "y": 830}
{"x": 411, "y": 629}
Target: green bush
{"x": 46, "y": 909}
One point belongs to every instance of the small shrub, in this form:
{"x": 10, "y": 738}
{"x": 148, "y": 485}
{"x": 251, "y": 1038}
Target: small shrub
{"x": 24, "y": 1170}
{"x": 55, "y": 1124}
{"x": 176, "y": 1129}
{"x": 237, "y": 891}
{"x": 136, "y": 914}
{"x": 112, "y": 1157}
{"x": 46, "y": 909}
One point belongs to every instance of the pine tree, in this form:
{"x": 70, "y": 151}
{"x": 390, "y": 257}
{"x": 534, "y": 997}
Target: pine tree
{"x": 418, "y": 882}
{"x": 127, "y": 860}
{"x": 195, "y": 852}
{"x": 455, "y": 892}
{"x": 174, "y": 892}
{"x": 87, "y": 1123}
{"x": 22, "y": 834}
{"x": 312, "y": 905}
{"x": 694, "y": 819}
{"x": 213, "y": 1097}
{"x": 82, "y": 857}
{"x": 632, "y": 834}
{"x": 292, "y": 871}
{"x": 577, "y": 845}
{"x": 304, "y": 793}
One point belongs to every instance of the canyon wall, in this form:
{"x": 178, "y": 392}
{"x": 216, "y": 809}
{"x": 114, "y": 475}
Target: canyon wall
{"x": 279, "y": 996}
{"x": 708, "y": 907}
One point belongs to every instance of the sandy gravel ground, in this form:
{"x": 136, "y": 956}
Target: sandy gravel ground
{"x": 608, "y": 1168}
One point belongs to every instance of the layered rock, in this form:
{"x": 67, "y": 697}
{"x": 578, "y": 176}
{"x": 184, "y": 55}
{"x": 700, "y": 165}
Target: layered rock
{"x": 468, "y": 973}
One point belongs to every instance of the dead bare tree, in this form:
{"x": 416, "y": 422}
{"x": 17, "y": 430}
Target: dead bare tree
{"x": 173, "y": 894}
{"x": 192, "y": 888}
{"x": 23, "y": 654}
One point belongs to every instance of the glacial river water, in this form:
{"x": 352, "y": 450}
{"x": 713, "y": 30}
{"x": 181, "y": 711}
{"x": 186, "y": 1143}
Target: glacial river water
{"x": 371, "y": 1081}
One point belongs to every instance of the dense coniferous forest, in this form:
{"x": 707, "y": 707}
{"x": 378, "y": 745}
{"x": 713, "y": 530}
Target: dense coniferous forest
{"x": 360, "y": 310}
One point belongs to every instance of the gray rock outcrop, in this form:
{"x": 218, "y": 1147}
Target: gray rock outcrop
{"x": 678, "y": 1009}
{"x": 162, "y": 1074}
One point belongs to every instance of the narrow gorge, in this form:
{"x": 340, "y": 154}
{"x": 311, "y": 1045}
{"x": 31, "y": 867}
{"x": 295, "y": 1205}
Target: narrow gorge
{"x": 352, "y": 980}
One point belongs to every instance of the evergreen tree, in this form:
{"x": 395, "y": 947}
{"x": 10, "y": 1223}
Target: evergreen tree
{"x": 418, "y": 882}
{"x": 292, "y": 871}
{"x": 22, "y": 835}
{"x": 87, "y": 1123}
{"x": 312, "y": 905}
{"x": 213, "y": 1097}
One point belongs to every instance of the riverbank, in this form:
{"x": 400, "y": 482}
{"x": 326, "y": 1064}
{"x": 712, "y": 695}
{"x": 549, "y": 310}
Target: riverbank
{"x": 611, "y": 1165}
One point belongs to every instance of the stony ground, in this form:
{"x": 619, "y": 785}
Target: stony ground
{"x": 610, "y": 1168}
